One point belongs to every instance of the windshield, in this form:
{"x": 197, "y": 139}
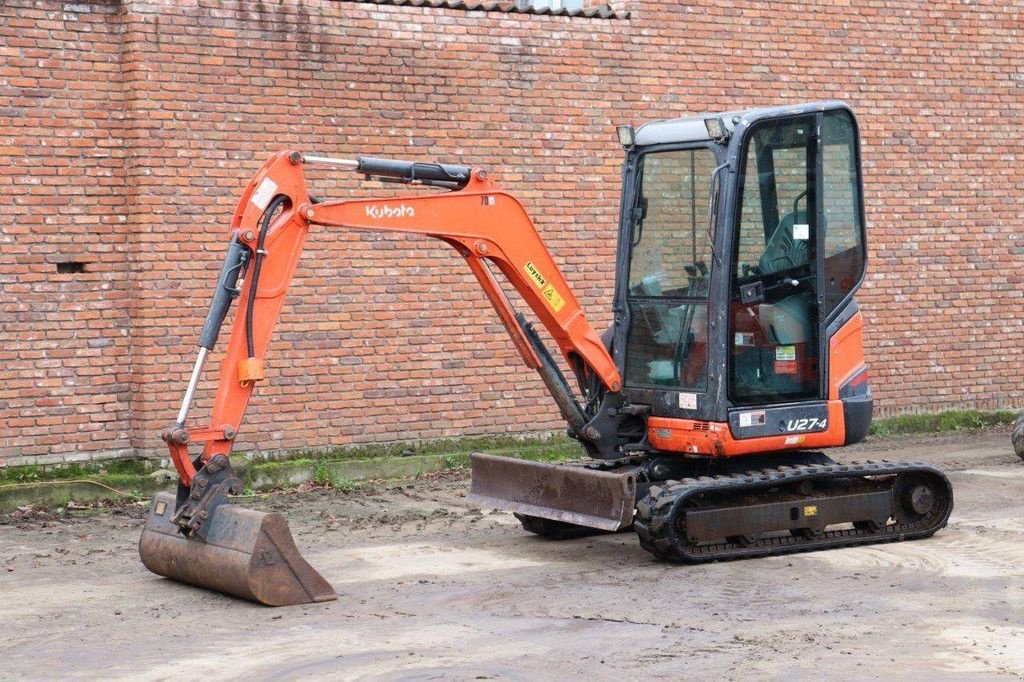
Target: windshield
{"x": 670, "y": 267}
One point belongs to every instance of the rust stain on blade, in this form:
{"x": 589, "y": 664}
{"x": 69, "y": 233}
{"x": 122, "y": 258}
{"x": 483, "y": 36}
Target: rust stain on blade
{"x": 585, "y": 497}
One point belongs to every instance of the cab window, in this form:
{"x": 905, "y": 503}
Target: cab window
{"x": 669, "y": 271}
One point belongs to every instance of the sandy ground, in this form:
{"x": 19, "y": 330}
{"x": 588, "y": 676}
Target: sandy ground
{"x": 432, "y": 589}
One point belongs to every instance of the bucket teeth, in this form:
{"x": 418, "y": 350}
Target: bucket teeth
{"x": 246, "y": 553}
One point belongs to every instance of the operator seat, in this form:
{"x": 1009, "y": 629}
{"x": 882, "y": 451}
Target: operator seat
{"x": 788, "y": 320}
{"x": 782, "y": 252}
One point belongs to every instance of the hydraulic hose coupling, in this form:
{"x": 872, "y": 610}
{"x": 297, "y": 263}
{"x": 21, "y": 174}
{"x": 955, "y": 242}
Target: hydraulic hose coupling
{"x": 250, "y": 370}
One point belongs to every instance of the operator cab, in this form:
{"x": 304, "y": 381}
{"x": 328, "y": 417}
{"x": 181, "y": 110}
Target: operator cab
{"x": 741, "y": 245}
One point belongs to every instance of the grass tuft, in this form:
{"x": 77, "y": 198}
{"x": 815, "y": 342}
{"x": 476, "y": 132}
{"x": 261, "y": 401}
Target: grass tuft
{"x": 941, "y": 422}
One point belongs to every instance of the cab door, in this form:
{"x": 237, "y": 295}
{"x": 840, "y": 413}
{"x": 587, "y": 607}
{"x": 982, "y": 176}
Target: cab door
{"x": 791, "y": 269}
{"x": 775, "y": 354}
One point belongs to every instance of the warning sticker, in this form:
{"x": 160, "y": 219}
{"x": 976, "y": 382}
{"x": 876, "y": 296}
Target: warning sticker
{"x": 687, "y": 401}
{"x": 811, "y": 510}
{"x": 264, "y": 193}
{"x": 801, "y": 231}
{"x": 785, "y": 360}
{"x": 785, "y": 353}
{"x": 535, "y": 275}
{"x": 755, "y": 418}
{"x": 552, "y": 297}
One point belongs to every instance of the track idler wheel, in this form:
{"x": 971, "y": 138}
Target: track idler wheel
{"x": 914, "y": 498}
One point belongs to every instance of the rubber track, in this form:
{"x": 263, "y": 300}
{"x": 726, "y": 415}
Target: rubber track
{"x": 659, "y": 535}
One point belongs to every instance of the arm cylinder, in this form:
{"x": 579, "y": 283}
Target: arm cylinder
{"x": 226, "y": 292}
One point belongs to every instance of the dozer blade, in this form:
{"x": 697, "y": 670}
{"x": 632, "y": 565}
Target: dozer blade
{"x": 247, "y": 553}
{"x": 572, "y": 494}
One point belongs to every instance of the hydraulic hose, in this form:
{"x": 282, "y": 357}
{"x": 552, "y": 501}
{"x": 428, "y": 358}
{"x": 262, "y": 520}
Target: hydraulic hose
{"x": 257, "y": 264}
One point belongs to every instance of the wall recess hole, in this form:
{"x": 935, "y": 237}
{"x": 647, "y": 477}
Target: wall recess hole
{"x": 71, "y": 267}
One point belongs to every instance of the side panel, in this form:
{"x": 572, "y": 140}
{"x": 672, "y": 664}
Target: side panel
{"x": 845, "y": 355}
{"x": 759, "y": 422}
{"x": 716, "y": 440}
{"x": 848, "y": 377}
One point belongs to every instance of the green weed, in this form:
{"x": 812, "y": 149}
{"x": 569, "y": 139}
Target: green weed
{"x": 941, "y": 422}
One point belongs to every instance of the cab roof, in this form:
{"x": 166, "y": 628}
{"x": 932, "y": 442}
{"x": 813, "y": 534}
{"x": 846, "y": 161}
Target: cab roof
{"x": 692, "y": 128}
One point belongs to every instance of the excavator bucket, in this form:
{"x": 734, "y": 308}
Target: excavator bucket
{"x": 560, "y": 492}
{"x": 246, "y": 553}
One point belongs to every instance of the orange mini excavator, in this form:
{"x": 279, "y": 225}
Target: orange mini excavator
{"x": 733, "y": 357}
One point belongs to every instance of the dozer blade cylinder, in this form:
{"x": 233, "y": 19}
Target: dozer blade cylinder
{"x": 572, "y": 494}
{"x": 247, "y": 553}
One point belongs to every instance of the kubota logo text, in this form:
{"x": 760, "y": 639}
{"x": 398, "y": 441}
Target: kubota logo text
{"x": 401, "y": 211}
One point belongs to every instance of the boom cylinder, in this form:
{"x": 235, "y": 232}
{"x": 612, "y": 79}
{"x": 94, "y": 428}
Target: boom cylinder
{"x": 452, "y": 176}
{"x": 555, "y": 381}
{"x": 412, "y": 171}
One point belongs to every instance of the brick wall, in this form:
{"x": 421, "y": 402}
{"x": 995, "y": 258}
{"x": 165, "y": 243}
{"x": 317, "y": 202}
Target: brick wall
{"x": 65, "y": 339}
{"x": 129, "y": 129}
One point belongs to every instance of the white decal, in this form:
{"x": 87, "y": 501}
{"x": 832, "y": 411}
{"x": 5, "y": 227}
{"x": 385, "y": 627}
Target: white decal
{"x": 378, "y": 212}
{"x": 752, "y": 418}
{"x": 687, "y": 401}
{"x": 806, "y": 424}
{"x": 264, "y": 193}
{"x": 801, "y": 231}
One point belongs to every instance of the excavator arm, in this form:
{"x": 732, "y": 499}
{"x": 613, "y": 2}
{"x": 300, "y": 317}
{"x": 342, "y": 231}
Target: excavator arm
{"x": 485, "y": 225}
{"x": 198, "y": 536}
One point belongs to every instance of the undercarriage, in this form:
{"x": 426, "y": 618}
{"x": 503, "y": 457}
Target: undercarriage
{"x": 808, "y": 503}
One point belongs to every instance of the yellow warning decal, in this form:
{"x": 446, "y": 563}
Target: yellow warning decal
{"x": 551, "y": 296}
{"x": 810, "y": 510}
{"x": 535, "y": 275}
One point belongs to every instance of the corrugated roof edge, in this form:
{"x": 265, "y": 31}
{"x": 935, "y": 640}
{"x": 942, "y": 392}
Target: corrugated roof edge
{"x": 601, "y": 12}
